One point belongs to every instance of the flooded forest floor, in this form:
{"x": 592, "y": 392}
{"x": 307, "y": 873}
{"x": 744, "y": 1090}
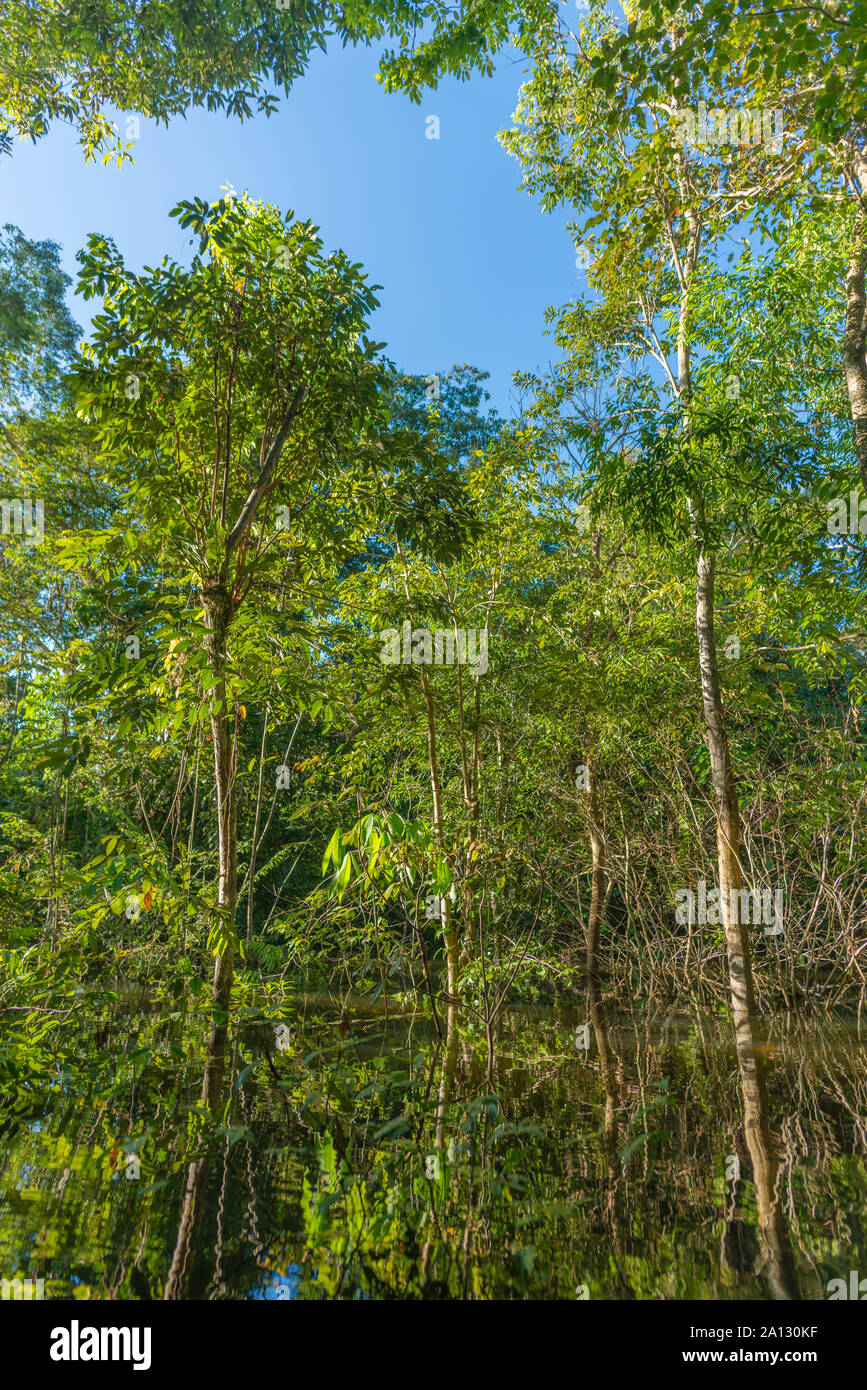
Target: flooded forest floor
{"x": 355, "y": 1148}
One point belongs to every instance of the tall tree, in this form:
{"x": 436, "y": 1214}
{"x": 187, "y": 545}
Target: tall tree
{"x": 227, "y": 397}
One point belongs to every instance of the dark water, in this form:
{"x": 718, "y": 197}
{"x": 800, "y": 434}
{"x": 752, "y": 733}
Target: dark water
{"x": 357, "y": 1157}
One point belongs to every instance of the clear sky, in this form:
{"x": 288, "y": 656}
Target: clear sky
{"x": 468, "y": 263}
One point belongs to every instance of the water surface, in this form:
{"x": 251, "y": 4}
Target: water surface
{"x": 606, "y": 1155}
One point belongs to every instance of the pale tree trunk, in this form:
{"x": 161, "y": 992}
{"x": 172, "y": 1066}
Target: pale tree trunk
{"x": 727, "y": 811}
{"x": 597, "y": 882}
{"x": 778, "y": 1262}
{"x": 219, "y": 610}
{"x": 449, "y": 934}
{"x": 608, "y": 1065}
{"x": 855, "y": 331}
{"x": 728, "y": 827}
{"x": 597, "y": 842}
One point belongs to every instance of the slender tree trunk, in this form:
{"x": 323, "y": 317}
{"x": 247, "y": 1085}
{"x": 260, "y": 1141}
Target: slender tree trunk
{"x": 597, "y": 843}
{"x": 728, "y": 827}
{"x": 778, "y": 1263}
{"x": 449, "y": 934}
{"x": 252, "y": 869}
{"x": 218, "y": 616}
{"x": 855, "y": 336}
{"x": 597, "y": 883}
{"x": 608, "y": 1066}
{"x": 196, "y": 1186}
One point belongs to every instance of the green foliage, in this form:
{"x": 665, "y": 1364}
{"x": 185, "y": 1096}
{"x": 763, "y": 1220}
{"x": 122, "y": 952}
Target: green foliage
{"x": 37, "y": 334}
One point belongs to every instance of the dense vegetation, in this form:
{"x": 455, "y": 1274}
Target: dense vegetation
{"x": 323, "y": 677}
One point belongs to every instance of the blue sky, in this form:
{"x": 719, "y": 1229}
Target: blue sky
{"x": 468, "y": 263}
